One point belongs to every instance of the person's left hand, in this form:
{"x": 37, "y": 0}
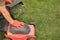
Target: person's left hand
{"x": 17, "y": 24}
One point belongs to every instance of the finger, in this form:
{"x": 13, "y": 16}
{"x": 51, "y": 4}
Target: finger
{"x": 22, "y": 24}
{"x": 18, "y": 27}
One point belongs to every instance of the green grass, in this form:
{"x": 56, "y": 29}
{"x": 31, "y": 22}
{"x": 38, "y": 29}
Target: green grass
{"x": 46, "y": 16}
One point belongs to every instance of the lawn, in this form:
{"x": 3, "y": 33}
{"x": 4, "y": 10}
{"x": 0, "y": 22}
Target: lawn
{"x": 45, "y": 14}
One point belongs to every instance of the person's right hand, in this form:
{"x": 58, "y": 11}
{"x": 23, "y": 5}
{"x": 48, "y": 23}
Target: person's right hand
{"x": 8, "y": 1}
{"x": 18, "y": 24}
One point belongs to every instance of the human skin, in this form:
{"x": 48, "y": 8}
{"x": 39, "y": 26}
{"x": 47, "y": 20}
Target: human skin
{"x": 6, "y": 14}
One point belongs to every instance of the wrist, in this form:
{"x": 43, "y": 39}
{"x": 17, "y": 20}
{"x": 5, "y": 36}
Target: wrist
{"x": 12, "y": 22}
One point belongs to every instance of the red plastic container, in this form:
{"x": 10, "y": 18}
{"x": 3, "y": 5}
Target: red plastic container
{"x": 22, "y": 36}
{"x": 17, "y": 37}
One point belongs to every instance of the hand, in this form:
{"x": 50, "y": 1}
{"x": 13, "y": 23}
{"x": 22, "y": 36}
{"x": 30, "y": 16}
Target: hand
{"x": 17, "y": 24}
{"x": 8, "y": 1}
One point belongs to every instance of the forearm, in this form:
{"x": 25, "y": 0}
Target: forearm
{"x": 6, "y": 14}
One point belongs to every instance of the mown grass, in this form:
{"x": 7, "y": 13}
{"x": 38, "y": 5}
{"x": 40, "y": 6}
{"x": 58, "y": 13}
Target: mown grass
{"x": 46, "y": 16}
